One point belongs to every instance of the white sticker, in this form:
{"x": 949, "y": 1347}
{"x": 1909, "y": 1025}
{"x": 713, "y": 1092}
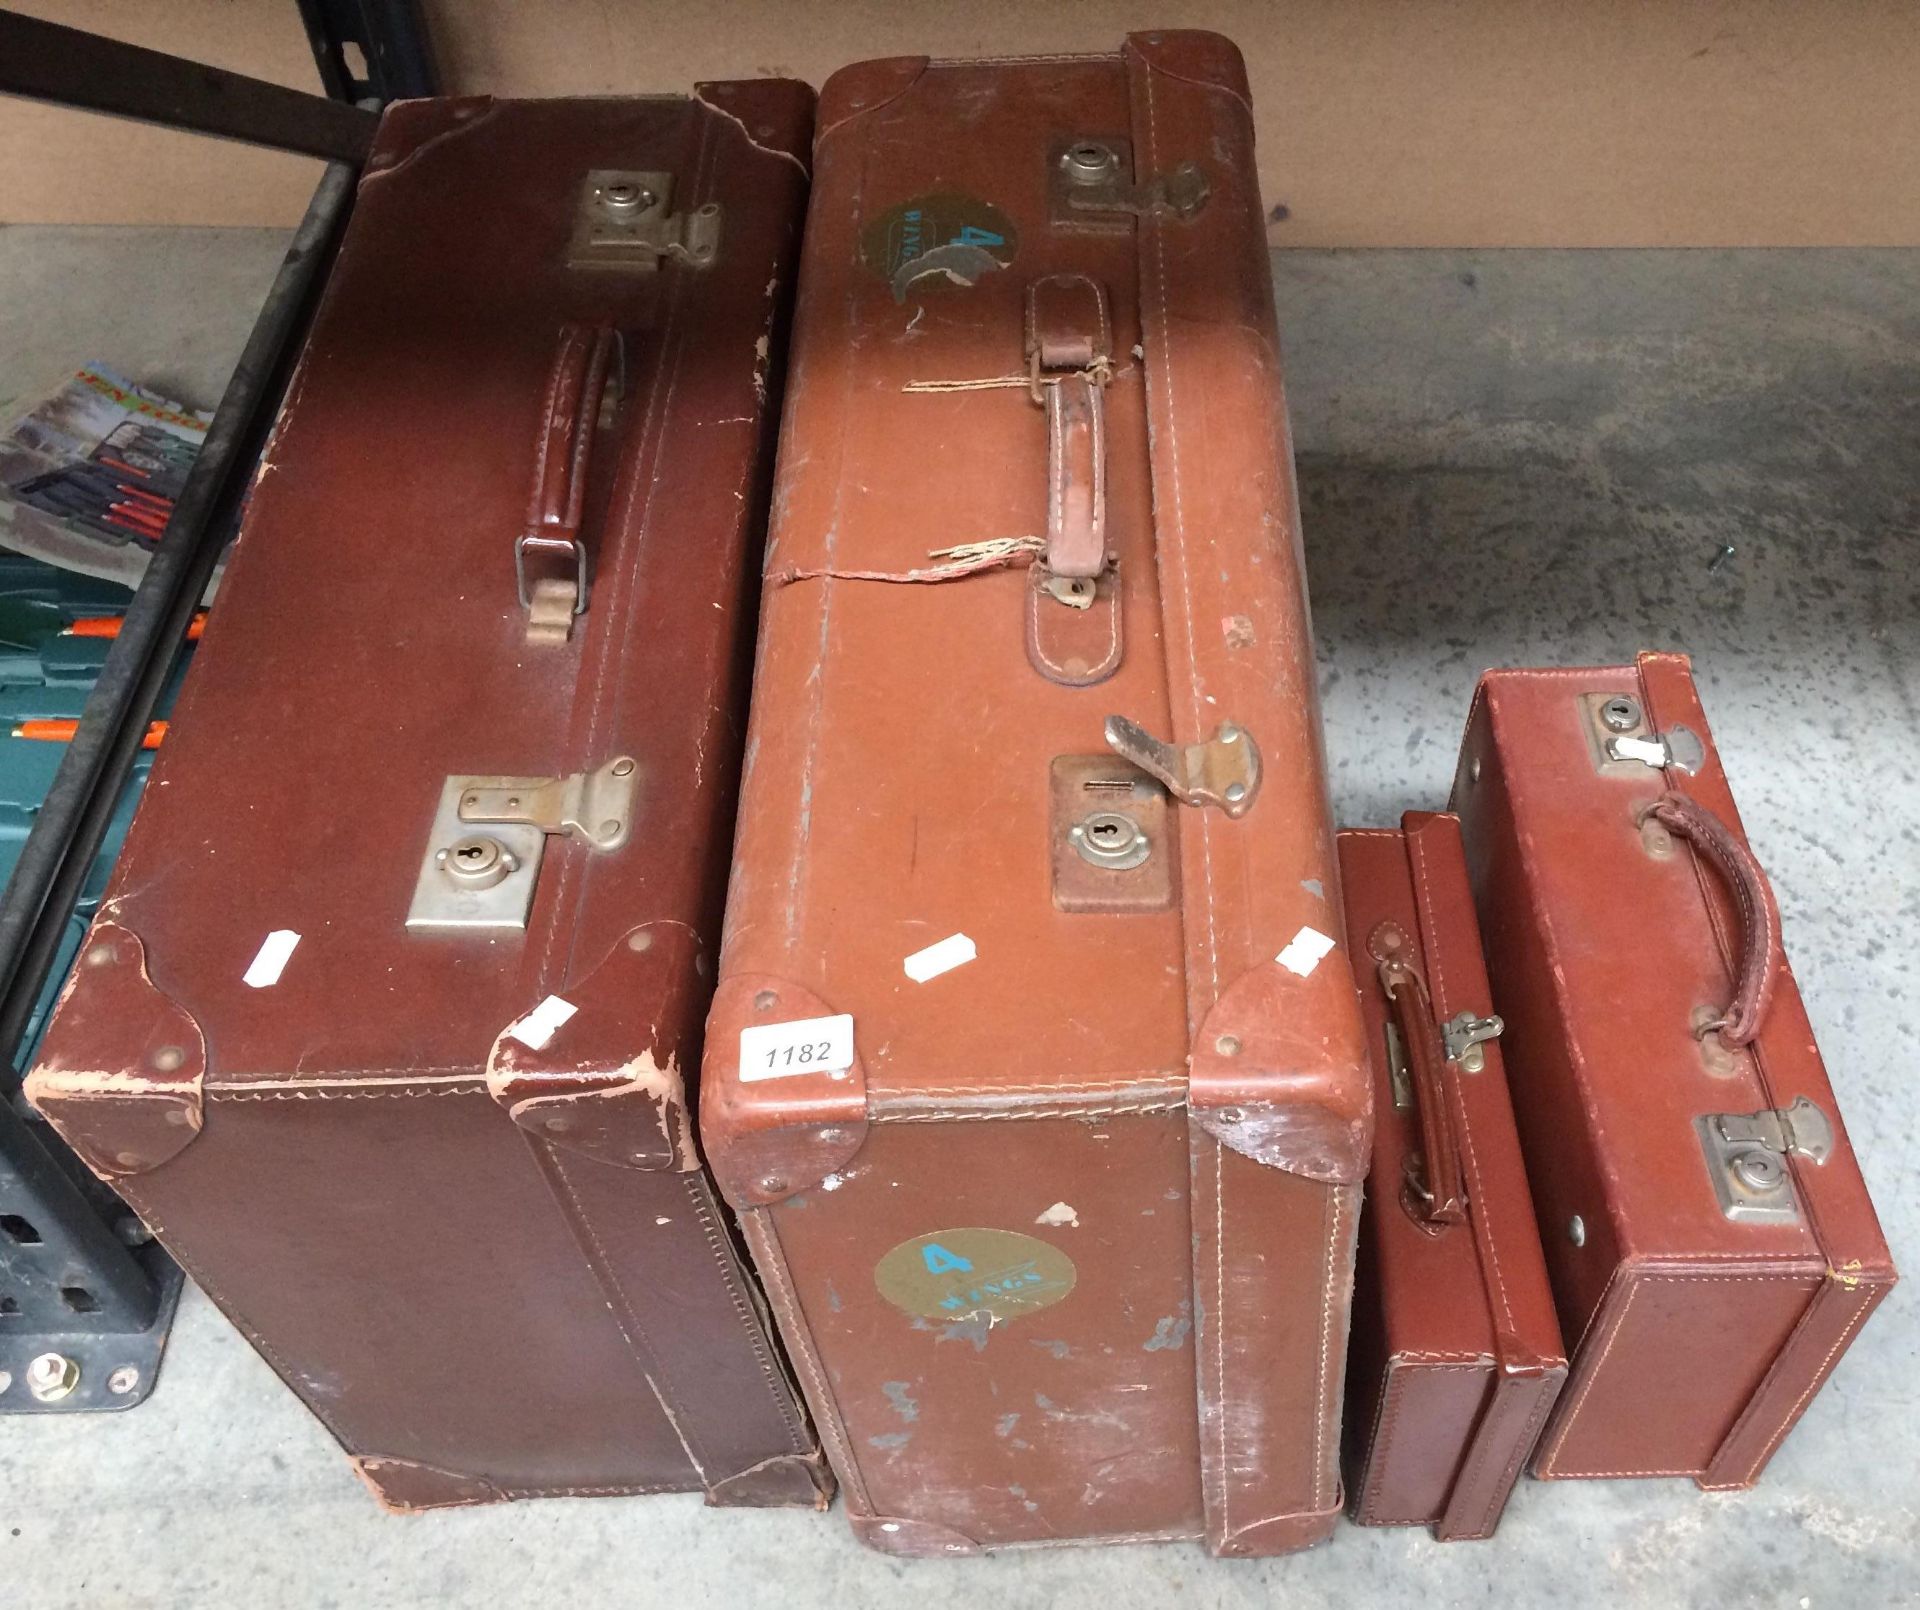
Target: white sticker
{"x": 542, "y": 1023}
{"x": 956, "y": 950}
{"x": 270, "y": 960}
{"x": 804, "y": 1045}
{"x": 1304, "y": 951}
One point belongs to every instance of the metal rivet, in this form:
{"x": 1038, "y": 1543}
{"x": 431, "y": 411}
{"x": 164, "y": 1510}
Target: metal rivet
{"x": 1228, "y": 1045}
{"x": 100, "y": 956}
{"x": 1229, "y": 733}
{"x": 833, "y": 1137}
{"x": 123, "y": 1380}
{"x": 1577, "y": 1230}
{"x": 1229, "y": 1115}
{"x": 610, "y": 827}
{"x": 52, "y": 1376}
{"x": 1473, "y": 771}
{"x": 639, "y": 939}
{"x": 889, "y": 1526}
{"x": 774, "y": 1186}
{"x": 700, "y": 964}
{"x": 6, "y": 1380}
{"x": 1236, "y": 792}
{"x": 623, "y": 768}
{"x": 764, "y": 1001}
{"x": 1620, "y": 714}
{"x": 168, "y": 1057}
{"x": 559, "y": 1124}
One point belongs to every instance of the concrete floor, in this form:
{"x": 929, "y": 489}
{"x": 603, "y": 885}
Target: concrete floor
{"x": 1504, "y": 458}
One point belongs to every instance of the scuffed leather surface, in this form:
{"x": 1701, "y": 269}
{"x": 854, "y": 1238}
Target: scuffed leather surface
{"x": 510, "y": 1310}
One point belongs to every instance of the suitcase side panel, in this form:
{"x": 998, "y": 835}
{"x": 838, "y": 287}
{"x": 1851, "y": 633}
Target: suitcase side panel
{"x": 372, "y": 1283}
{"x": 956, "y": 1417}
{"x": 1673, "y": 1358}
{"x": 1425, "y": 1415}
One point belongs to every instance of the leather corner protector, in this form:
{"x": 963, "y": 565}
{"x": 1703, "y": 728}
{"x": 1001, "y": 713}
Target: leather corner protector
{"x": 864, "y": 87}
{"x": 122, "y": 1072}
{"x": 786, "y": 1481}
{"x": 588, "y": 1085}
{"x": 769, "y": 1139}
{"x": 1198, "y": 56}
{"x": 1277, "y": 1075}
{"x": 914, "y": 1539}
{"x": 405, "y": 1487}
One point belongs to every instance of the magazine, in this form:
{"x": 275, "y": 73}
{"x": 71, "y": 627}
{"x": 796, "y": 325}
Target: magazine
{"x": 89, "y": 475}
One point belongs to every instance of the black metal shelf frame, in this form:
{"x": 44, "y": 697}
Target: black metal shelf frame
{"x": 86, "y": 1295}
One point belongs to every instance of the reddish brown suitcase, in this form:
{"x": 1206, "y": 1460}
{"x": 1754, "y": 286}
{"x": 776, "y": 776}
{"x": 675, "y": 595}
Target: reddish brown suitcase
{"x": 463, "y": 734}
{"x": 1035, "y": 1068}
{"x": 1456, "y": 1351}
{"x": 1708, "y": 1233}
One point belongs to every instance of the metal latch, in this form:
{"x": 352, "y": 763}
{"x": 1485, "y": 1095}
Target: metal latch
{"x": 1622, "y": 732}
{"x": 489, "y": 833}
{"x": 1466, "y": 1034}
{"x": 1223, "y": 771}
{"x": 1744, "y": 1152}
{"x": 625, "y": 219}
{"x": 1096, "y": 176}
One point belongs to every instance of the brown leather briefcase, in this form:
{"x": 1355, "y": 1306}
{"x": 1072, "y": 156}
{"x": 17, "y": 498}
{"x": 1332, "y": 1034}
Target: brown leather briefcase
{"x": 1707, "y": 1230}
{"x": 1035, "y": 1068}
{"x": 388, "y": 1018}
{"x": 1456, "y": 1350}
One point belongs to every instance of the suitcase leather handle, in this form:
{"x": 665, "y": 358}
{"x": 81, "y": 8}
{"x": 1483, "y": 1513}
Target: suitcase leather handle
{"x": 570, "y": 418}
{"x": 1439, "y": 1196}
{"x": 1069, "y": 355}
{"x": 1761, "y": 949}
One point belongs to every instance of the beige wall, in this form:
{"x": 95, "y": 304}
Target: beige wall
{"x": 1382, "y": 122}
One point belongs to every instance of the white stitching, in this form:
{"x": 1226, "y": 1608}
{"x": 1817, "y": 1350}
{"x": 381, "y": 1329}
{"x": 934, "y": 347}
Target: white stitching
{"x": 1813, "y": 1386}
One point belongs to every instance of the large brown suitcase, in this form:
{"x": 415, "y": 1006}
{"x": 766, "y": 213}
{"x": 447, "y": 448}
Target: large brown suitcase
{"x": 1035, "y": 1068}
{"x": 463, "y": 736}
{"x": 1456, "y": 1354}
{"x": 1708, "y": 1233}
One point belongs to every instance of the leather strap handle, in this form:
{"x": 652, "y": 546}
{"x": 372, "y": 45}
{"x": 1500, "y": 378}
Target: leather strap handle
{"x": 1069, "y": 354}
{"x": 1439, "y": 1195}
{"x": 570, "y": 418}
{"x": 1761, "y": 949}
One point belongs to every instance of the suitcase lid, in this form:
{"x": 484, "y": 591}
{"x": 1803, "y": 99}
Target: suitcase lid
{"x": 481, "y": 399}
{"x": 924, "y": 740}
{"x": 1618, "y": 944}
{"x": 1455, "y": 1248}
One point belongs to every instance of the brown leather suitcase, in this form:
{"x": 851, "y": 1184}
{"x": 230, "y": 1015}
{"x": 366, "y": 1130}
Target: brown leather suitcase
{"x": 1035, "y": 1068}
{"x": 388, "y": 1018}
{"x": 1456, "y": 1350}
{"x": 1709, "y": 1236}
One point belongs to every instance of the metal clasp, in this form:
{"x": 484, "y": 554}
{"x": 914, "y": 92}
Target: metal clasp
{"x": 1465, "y": 1034}
{"x": 625, "y": 220}
{"x": 1223, "y": 771}
{"x": 1619, "y": 727}
{"x": 1744, "y": 1152}
{"x": 596, "y": 806}
{"x": 489, "y": 833}
{"x": 1096, "y": 175}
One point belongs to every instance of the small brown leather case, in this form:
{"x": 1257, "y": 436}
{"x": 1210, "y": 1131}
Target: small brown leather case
{"x": 1707, "y": 1229}
{"x": 389, "y": 1022}
{"x": 1456, "y": 1357}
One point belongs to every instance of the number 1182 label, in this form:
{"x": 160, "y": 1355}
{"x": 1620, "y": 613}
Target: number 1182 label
{"x": 805, "y": 1045}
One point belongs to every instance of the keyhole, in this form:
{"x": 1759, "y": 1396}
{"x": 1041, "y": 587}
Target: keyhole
{"x": 471, "y": 853}
{"x": 1105, "y": 832}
